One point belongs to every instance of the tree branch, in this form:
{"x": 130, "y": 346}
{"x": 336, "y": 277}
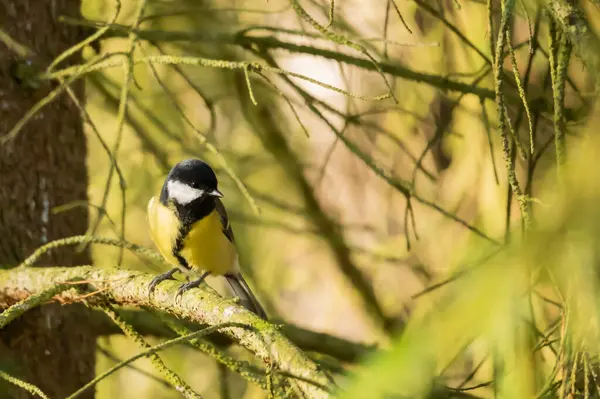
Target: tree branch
{"x": 122, "y": 287}
{"x": 149, "y": 324}
{"x": 272, "y": 43}
{"x": 572, "y": 21}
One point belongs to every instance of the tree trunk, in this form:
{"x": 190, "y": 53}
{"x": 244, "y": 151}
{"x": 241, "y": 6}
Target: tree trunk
{"x": 43, "y": 167}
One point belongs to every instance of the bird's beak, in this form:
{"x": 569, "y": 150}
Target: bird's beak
{"x": 215, "y": 193}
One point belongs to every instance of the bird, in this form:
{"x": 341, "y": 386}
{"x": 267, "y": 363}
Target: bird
{"x": 189, "y": 226}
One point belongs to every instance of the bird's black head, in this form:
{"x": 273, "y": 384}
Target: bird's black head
{"x": 192, "y": 187}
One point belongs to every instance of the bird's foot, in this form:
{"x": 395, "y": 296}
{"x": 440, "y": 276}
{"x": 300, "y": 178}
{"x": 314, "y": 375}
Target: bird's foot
{"x": 192, "y": 284}
{"x": 160, "y": 278}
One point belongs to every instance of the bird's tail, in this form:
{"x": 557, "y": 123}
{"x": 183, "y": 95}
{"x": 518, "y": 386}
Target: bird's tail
{"x": 240, "y": 288}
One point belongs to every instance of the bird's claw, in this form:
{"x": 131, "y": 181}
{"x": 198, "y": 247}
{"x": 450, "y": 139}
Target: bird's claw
{"x": 187, "y": 286}
{"x": 183, "y": 288}
{"x": 159, "y": 279}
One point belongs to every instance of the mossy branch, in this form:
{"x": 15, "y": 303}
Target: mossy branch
{"x": 243, "y": 368}
{"x": 571, "y": 19}
{"x": 560, "y": 66}
{"x": 29, "y": 303}
{"x": 172, "y": 378}
{"x": 272, "y": 43}
{"x": 149, "y": 324}
{"x": 162, "y": 324}
{"x": 341, "y": 40}
{"x": 521, "y": 90}
{"x": 150, "y": 351}
{"x": 32, "y": 389}
{"x": 205, "y": 62}
{"x": 504, "y": 121}
{"x": 121, "y": 287}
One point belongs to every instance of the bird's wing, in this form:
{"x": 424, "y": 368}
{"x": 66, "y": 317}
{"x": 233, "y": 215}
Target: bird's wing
{"x": 164, "y": 228}
{"x": 224, "y": 220}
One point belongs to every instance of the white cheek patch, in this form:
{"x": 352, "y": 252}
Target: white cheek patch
{"x": 182, "y": 193}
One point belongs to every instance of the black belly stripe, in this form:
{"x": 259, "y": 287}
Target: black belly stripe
{"x": 189, "y": 214}
{"x": 184, "y": 230}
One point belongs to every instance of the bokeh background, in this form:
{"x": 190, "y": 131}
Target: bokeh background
{"x": 311, "y": 159}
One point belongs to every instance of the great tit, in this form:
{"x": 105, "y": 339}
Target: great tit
{"x": 189, "y": 225}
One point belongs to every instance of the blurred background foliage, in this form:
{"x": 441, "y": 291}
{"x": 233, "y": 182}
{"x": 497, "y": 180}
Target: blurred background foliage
{"x": 364, "y": 203}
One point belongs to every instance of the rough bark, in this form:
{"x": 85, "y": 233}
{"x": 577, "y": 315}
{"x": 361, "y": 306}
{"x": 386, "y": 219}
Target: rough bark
{"x": 42, "y": 168}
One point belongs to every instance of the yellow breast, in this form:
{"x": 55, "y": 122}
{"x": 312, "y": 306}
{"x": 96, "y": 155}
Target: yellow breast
{"x": 205, "y": 246}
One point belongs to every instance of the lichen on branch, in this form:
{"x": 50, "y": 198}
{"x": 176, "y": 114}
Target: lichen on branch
{"x": 124, "y": 287}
